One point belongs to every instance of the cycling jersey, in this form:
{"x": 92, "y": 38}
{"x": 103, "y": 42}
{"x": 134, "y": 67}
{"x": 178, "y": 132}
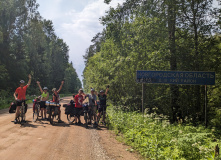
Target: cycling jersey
{"x": 78, "y": 101}
{"x": 43, "y": 96}
{"x": 21, "y": 91}
{"x": 102, "y": 99}
{"x": 92, "y": 99}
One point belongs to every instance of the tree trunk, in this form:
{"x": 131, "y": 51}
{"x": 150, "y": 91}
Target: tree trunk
{"x": 174, "y": 90}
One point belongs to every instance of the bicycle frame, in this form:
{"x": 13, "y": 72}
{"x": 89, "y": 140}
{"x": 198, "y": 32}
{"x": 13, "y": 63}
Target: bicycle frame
{"x": 21, "y": 117}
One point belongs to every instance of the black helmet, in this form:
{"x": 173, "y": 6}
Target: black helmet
{"x": 101, "y": 91}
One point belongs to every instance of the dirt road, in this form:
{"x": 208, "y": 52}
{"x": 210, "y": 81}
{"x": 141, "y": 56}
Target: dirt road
{"x": 42, "y": 141}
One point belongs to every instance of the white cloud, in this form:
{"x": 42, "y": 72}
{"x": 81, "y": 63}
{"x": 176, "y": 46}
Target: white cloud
{"x": 77, "y": 27}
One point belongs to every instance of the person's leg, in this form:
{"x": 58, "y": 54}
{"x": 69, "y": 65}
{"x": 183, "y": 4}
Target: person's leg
{"x": 42, "y": 109}
{"x": 104, "y": 113}
{"x": 80, "y": 110}
{"x": 17, "y": 112}
{"x": 90, "y": 112}
{"x": 45, "y": 113}
{"x": 94, "y": 110}
{"x": 75, "y": 115}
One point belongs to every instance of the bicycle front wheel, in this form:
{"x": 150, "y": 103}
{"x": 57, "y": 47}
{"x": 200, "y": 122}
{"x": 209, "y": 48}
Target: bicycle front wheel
{"x": 51, "y": 117}
{"x": 70, "y": 118}
{"x": 22, "y": 115}
{"x": 36, "y": 112}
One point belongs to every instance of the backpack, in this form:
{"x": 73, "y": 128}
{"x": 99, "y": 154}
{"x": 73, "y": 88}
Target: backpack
{"x": 12, "y": 107}
{"x": 69, "y": 108}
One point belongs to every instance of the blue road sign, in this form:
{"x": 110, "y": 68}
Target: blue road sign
{"x": 176, "y": 77}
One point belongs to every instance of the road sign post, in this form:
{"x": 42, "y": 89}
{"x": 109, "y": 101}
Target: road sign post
{"x": 176, "y": 78}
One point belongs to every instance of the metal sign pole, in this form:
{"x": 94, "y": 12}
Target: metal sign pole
{"x": 205, "y": 105}
{"x": 143, "y": 99}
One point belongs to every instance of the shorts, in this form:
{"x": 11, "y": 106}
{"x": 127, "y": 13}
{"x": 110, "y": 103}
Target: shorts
{"x": 78, "y": 111}
{"x": 19, "y": 103}
{"x": 93, "y": 109}
{"x": 42, "y": 104}
{"x": 102, "y": 108}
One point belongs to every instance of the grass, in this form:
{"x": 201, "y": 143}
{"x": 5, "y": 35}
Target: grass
{"x": 161, "y": 140}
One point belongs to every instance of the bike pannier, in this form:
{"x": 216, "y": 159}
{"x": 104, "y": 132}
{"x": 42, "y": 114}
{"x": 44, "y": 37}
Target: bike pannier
{"x": 12, "y": 107}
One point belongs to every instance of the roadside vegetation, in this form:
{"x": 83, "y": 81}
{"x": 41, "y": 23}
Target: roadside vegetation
{"x": 155, "y": 138}
{"x": 160, "y": 35}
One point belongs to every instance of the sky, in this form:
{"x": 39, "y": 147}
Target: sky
{"x": 76, "y": 22}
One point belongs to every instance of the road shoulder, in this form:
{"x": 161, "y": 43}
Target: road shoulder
{"x": 115, "y": 149}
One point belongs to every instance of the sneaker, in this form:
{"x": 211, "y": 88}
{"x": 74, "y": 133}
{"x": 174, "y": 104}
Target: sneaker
{"x": 79, "y": 123}
{"x": 15, "y": 121}
{"x": 89, "y": 123}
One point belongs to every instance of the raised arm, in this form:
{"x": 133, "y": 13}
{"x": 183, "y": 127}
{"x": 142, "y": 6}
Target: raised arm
{"x": 15, "y": 95}
{"x": 39, "y": 86}
{"x": 107, "y": 89}
{"x": 62, "y": 82}
{"x": 29, "y": 81}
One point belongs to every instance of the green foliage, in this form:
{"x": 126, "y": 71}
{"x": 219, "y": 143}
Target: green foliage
{"x": 28, "y": 44}
{"x": 161, "y": 140}
{"x": 156, "y": 35}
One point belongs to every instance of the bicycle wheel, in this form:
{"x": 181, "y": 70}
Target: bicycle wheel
{"x": 36, "y": 112}
{"x": 51, "y": 116}
{"x": 70, "y": 118}
{"x": 22, "y": 115}
{"x": 86, "y": 118}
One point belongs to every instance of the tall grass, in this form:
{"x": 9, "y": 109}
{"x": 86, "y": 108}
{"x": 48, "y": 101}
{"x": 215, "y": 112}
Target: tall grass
{"x": 161, "y": 140}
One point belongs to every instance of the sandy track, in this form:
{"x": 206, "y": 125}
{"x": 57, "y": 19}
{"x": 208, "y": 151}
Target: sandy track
{"x": 40, "y": 140}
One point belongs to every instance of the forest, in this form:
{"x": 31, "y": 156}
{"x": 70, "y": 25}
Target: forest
{"x": 158, "y": 35}
{"x": 29, "y": 45}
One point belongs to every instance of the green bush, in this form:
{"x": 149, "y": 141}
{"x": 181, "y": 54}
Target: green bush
{"x": 161, "y": 140}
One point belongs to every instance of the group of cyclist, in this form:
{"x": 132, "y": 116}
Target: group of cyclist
{"x": 20, "y": 97}
{"x": 92, "y": 105}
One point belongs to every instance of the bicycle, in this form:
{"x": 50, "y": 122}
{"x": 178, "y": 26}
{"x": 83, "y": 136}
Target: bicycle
{"x": 103, "y": 114}
{"x": 53, "y": 110}
{"x": 36, "y": 109}
{"x": 69, "y": 111}
{"x": 21, "y": 118}
{"x": 87, "y": 113}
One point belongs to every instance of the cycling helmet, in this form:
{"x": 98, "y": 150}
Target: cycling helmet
{"x": 22, "y": 81}
{"x": 81, "y": 90}
{"x": 101, "y": 91}
{"x": 45, "y": 88}
{"x": 54, "y": 89}
{"x": 92, "y": 89}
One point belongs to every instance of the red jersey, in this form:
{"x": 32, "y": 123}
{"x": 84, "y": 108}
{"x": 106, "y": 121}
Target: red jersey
{"x": 78, "y": 101}
{"x": 21, "y": 92}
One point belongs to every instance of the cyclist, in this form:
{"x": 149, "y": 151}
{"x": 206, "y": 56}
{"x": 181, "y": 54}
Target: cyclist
{"x": 78, "y": 99}
{"x": 56, "y": 99}
{"x": 44, "y": 98}
{"x": 102, "y": 104}
{"x": 20, "y": 94}
{"x": 92, "y": 105}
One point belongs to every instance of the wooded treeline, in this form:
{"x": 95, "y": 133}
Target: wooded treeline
{"x": 29, "y": 44}
{"x": 182, "y": 35}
